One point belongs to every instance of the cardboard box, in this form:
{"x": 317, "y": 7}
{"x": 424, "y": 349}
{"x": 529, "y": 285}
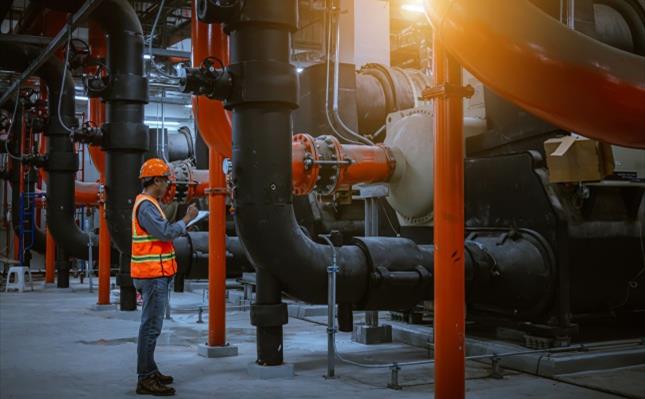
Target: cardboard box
{"x": 577, "y": 159}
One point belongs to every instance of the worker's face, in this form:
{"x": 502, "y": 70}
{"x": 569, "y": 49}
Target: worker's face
{"x": 162, "y": 183}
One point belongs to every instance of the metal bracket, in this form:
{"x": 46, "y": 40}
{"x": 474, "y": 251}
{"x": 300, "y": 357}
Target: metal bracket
{"x": 217, "y": 191}
{"x": 394, "y": 377}
{"x": 447, "y": 90}
{"x": 496, "y": 370}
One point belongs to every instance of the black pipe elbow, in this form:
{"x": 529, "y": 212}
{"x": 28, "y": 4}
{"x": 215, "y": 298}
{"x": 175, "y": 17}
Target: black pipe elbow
{"x": 125, "y": 136}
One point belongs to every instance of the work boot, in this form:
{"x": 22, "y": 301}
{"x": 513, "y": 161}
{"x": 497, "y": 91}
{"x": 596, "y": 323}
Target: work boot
{"x": 151, "y": 386}
{"x": 163, "y": 379}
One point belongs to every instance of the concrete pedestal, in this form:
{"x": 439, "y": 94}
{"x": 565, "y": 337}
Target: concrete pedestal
{"x": 285, "y": 370}
{"x": 216, "y": 351}
{"x": 369, "y": 335}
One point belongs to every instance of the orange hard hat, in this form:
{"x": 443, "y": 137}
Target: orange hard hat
{"x": 154, "y": 167}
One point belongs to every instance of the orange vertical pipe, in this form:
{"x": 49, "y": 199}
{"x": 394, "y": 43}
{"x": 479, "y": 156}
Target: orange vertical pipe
{"x": 97, "y": 115}
{"x": 216, "y": 258}
{"x": 50, "y": 258}
{"x": 449, "y": 302}
{"x": 215, "y": 127}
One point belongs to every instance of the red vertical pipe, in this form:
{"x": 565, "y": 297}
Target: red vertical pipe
{"x": 216, "y": 258}
{"x": 97, "y": 115}
{"x": 50, "y": 258}
{"x": 214, "y": 126}
{"x": 449, "y": 302}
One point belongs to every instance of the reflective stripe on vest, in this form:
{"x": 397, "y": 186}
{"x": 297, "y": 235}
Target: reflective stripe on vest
{"x": 151, "y": 257}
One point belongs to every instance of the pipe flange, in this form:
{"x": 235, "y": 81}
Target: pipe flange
{"x": 181, "y": 185}
{"x": 329, "y": 149}
{"x": 311, "y": 169}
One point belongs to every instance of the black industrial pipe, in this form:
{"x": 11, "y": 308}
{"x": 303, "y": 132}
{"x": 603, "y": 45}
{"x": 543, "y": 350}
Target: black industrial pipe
{"x": 192, "y": 256}
{"x": 375, "y": 272}
{"x": 264, "y": 94}
{"x": 126, "y": 137}
{"x": 62, "y": 162}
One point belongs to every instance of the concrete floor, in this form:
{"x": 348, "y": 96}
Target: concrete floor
{"x": 52, "y": 345}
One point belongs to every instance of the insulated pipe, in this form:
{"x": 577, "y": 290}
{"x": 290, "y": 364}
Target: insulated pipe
{"x": 126, "y": 137}
{"x": 558, "y": 74}
{"x": 97, "y": 115}
{"x": 449, "y": 287}
{"x": 215, "y": 127}
{"x": 62, "y": 162}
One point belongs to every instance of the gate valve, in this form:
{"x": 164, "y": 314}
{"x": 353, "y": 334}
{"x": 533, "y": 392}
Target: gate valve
{"x": 88, "y": 134}
{"x": 36, "y": 160}
{"x": 211, "y": 79}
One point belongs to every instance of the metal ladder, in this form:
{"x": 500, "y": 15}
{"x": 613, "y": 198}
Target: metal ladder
{"x": 26, "y": 222}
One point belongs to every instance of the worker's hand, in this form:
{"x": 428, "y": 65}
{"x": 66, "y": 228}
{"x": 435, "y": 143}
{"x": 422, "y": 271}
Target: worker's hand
{"x": 191, "y": 213}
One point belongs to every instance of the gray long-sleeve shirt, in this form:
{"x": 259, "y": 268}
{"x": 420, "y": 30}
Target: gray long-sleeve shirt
{"x": 153, "y": 222}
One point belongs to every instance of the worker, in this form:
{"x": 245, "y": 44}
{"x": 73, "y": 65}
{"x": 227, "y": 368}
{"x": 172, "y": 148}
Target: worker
{"x": 152, "y": 269}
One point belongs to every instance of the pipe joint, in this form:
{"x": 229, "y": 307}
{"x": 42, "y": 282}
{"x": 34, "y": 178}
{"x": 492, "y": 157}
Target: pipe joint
{"x": 269, "y": 315}
{"x": 122, "y": 87}
{"x": 217, "y": 11}
{"x": 281, "y": 13}
{"x": 125, "y": 136}
{"x": 62, "y": 162}
{"x": 263, "y": 82}
{"x": 400, "y": 272}
{"x": 34, "y": 160}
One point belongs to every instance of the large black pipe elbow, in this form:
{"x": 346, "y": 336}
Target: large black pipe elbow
{"x": 263, "y": 96}
{"x": 62, "y": 162}
{"x": 126, "y": 137}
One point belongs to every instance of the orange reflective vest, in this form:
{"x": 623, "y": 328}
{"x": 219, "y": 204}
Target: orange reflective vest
{"x": 151, "y": 257}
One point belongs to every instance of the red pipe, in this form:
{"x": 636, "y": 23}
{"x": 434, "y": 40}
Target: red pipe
{"x": 558, "y": 74}
{"x": 449, "y": 297}
{"x": 361, "y": 164}
{"x": 357, "y": 163}
{"x": 50, "y": 258}
{"x": 215, "y": 127}
{"x": 86, "y": 193}
{"x": 97, "y": 116}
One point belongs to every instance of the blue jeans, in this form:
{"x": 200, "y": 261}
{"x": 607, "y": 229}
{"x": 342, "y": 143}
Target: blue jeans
{"x": 155, "y": 296}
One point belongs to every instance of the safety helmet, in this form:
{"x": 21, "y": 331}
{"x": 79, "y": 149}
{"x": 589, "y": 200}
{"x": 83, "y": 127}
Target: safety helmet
{"x": 154, "y": 167}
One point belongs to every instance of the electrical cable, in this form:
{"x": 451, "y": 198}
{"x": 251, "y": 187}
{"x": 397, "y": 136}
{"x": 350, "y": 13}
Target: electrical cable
{"x": 13, "y": 119}
{"x": 157, "y": 67}
{"x": 337, "y": 116}
{"x": 62, "y": 85}
{"x": 327, "y": 72}
{"x": 387, "y": 216}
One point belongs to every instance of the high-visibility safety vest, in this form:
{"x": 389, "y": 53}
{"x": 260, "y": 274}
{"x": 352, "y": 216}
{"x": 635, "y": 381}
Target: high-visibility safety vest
{"x": 151, "y": 257}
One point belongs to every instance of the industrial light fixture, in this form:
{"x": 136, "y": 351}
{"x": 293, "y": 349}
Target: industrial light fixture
{"x": 188, "y": 106}
{"x": 159, "y": 123}
{"x": 413, "y": 6}
{"x": 147, "y": 56}
{"x": 80, "y": 98}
